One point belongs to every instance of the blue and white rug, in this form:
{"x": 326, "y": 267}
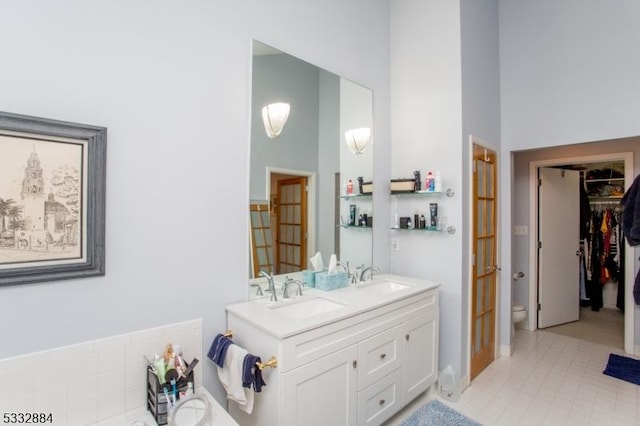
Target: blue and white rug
{"x": 435, "y": 413}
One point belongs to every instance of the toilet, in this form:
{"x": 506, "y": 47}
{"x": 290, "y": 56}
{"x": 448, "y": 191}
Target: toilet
{"x": 518, "y": 314}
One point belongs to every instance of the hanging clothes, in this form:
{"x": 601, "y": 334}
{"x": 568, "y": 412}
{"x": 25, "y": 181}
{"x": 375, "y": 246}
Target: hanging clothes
{"x": 603, "y": 255}
{"x": 631, "y": 225}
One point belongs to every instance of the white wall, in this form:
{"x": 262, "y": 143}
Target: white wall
{"x": 444, "y": 86}
{"x": 426, "y": 127}
{"x": 569, "y": 71}
{"x": 171, "y": 82}
{"x": 569, "y": 74}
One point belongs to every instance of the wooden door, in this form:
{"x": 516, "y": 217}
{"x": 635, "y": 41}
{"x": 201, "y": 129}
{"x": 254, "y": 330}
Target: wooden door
{"x": 291, "y": 252}
{"x": 483, "y": 300}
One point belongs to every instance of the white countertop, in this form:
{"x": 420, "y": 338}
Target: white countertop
{"x": 142, "y": 416}
{"x": 349, "y": 301}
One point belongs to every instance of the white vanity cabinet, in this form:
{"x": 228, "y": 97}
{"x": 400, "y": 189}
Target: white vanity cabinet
{"x": 359, "y": 369}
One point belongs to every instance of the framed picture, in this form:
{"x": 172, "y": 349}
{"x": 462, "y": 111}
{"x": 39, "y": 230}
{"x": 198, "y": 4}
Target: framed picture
{"x": 52, "y": 199}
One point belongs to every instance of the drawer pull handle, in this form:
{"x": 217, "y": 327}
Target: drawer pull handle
{"x": 381, "y": 402}
{"x": 355, "y": 363}
{"x": 406, "y": 337}
{"x": 382, "y": 356}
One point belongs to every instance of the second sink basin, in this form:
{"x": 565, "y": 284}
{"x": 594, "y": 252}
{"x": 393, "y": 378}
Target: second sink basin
{"x": 383, "y": 287}
{"x": 307, "y": 308}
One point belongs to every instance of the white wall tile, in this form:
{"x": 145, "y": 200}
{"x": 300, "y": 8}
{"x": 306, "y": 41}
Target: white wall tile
{"x": 82, "y": 390}
{"x": 113, "y": 381}
{"x": 50, "y": 373}
{"x": 82, "y": 414}
{"x": 84, "y": 383}
{"x": 111, "y": 358}
{"x": 135, "y": 397}
{"x": 82, "y": 366}
{"x": 135, "y": 375}
{"x": 110, "y": 405}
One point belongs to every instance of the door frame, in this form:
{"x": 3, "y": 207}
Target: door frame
{"x": 311, "y": 201}
{"x": 473, "y": 140}
{"x": 627, "y": 157}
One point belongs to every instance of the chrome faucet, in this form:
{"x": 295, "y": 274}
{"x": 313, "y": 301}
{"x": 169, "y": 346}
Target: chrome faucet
{"x": 258, "y": 289}
{"x": 372, "y": 270}
{"x": 289, "y": 282}
{"x": 272, "y": 286}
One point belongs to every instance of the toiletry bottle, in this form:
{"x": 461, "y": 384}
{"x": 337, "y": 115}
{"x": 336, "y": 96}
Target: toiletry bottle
{"x": 417, "y": 184}
{"x": 437, "y": 186}
{"x": 433, "y": 211}
{"x": 423, "y": 222}
{"x": 428, "y": 182}
{"x": 350, "y": 187}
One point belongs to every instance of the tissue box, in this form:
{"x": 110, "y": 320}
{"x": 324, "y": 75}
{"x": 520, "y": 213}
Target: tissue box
{"x": 402, "y": 185}
{"x": 309, "y": 277}
{"x": 326, "y": 281}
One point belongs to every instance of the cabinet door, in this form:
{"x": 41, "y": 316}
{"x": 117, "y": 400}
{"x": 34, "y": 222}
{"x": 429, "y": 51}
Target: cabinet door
{"x": 322, "y": 392}
{"x": 419, "y": 355}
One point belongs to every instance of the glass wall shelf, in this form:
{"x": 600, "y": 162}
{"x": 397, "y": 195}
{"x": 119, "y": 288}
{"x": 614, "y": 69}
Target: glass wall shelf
{"x": 352, "y": 196}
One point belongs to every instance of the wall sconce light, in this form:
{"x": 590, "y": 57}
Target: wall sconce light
{"x": 274, "y": 117}
{"x": 358, "y": 139}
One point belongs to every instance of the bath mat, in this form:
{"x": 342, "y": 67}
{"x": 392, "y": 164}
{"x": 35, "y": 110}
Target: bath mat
{"x": 435, "y": 413}
{"x": 623, "y": 368}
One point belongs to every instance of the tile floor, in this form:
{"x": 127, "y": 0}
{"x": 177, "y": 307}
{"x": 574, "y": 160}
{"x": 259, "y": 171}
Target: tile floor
{"x": 551, "y": 379}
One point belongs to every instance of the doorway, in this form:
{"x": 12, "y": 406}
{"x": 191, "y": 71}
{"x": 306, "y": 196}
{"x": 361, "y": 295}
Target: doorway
{"x": 537, "y": 223}
{"x": 292, "y": 213}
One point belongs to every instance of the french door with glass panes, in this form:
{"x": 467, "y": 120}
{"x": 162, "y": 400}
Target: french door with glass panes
{"x": 484, "y": 267}
{"x": 291, "y": 246}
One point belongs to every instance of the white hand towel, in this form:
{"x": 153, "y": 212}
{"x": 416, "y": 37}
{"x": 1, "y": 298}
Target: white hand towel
{"x": 230, "y": 376}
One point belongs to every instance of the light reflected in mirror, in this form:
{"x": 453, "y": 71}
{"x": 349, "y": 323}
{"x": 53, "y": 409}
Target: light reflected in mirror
{"x": 299, "y": 176}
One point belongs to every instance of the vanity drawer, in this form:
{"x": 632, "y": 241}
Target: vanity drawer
{"x": 378, "y": 356}
{"x": 381, "y": 400}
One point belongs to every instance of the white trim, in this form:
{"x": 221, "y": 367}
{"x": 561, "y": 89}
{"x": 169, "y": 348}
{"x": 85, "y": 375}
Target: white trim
{"x": 506, "y": 350}
{"x": 473, "y": 140}
{"x": 311, "y": 201}
{"x": 627, "y": 157}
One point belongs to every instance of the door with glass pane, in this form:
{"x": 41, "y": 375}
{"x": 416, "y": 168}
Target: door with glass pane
{"x": 483, "y": 316}
{"x": 261, "y": 249}
{"x": 291, "y": 252}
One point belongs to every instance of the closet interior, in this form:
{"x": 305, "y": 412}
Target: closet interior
{"x": 602, "y": 243}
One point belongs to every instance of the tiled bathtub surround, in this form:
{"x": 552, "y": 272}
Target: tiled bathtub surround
{"x": 92, "y": 381}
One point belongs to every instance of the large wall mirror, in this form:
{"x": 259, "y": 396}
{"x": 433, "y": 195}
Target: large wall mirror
{"x": 298, "y": 205}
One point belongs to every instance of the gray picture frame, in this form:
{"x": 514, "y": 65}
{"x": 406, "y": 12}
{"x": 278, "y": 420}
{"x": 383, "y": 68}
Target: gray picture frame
{"x": 93, "y": 140}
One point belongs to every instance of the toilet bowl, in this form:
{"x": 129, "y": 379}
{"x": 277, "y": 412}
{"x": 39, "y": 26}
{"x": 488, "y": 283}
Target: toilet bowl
{"x": 518, "y": 314}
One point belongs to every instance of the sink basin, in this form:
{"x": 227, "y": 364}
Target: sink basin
{"x": 307, "y": 308}
{"x": 383, "y": 287}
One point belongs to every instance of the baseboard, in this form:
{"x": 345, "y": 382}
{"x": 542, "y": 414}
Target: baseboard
{"x": 506, "y": 350}
{"x": 464, "y": 383}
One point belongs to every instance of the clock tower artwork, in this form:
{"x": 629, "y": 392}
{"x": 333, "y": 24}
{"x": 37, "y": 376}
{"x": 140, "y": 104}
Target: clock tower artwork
{"x": 47, "y": 223}
{"x": 33, "y": 196}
